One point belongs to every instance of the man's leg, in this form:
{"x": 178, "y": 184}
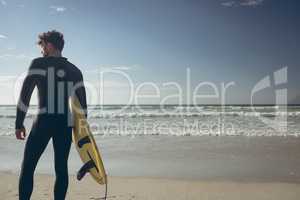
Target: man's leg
{"x": 35, "y": 146}
{"x": 61, "y": 143}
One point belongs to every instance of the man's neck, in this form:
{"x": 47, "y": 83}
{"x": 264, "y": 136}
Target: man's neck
{"x": 55, "y": 54}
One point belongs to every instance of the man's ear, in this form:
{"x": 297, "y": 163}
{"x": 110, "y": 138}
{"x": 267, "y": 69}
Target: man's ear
{"x": 50, "y": 46}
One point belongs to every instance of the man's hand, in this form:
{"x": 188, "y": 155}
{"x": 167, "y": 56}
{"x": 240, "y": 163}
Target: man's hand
{"x": 21, "y": 134}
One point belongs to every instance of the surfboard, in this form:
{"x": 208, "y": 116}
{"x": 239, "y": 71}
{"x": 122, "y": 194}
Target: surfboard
{"x": 85, "y": 145}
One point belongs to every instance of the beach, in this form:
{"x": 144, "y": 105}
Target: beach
{"x": 141, "y": 188}
{"x": 185, "y": 100}
{"x": 171, "y": 167}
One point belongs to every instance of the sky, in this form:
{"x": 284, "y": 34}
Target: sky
{"x": 161, "y": 51}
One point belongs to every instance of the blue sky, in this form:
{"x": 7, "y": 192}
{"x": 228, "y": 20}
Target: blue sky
{"x": 220, "y": 41}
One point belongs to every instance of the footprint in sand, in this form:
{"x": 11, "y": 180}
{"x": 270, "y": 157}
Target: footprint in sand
{"x": 131, "y": 197}
{"x": 108, "y": 197}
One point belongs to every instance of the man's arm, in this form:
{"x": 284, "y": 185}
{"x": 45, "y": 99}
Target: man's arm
{"x": 81, "y": 94}
{"x": 24, "y": 99}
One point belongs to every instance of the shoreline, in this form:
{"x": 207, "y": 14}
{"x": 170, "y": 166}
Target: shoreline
{"x": 238, "y": 159}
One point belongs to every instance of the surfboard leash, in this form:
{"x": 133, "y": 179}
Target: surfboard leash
{"x": 105, "y": 196}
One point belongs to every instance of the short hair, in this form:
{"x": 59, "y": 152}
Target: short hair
{"x": 54, "y": 37}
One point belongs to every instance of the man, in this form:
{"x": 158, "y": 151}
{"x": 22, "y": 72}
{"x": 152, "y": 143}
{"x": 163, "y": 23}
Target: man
{"x": 56, "y": 80}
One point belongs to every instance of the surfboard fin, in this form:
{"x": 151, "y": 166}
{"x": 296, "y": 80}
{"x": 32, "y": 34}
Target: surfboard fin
{"x": 84, "y": 141}
{"x": 84, "y": 169}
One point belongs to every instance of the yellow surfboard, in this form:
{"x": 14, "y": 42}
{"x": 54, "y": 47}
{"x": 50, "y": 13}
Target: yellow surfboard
{"x": 85, "y": 144}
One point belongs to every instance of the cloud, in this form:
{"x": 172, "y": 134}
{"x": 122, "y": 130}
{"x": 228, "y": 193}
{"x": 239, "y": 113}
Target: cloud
{"x": 10, "y": 48}
{"x": 3, "y": 36}
{"x": 251, "y": 2}
{"x": 5, "y": 78}
{"x": 244, "y": 3}
{"x": 59, "y": 9}
{"x": 124, "y": 68}
{"x": 228, "y": 3}
{"x": 15, "y": 56}
{"x": 3, "y": 2}
{"x": 114, "y": 67}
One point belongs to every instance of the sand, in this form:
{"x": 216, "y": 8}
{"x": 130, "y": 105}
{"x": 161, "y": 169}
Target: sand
{"x": 171, "y": 168}
{"x": 125, "y": 188}
{"x": 249, "y": 159}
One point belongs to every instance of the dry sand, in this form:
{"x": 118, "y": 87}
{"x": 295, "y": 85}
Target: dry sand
{"x": 153, "y": 189}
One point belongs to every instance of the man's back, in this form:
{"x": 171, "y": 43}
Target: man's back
{"x": 56, "y": 80}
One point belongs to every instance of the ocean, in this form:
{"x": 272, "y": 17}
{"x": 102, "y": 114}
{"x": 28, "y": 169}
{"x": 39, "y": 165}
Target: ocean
{"x": 175, "y": 120}
{"x": 239, "y": 143}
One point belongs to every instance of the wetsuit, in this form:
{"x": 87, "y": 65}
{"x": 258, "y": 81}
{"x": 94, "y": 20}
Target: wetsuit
{"x": 56, "y": 80}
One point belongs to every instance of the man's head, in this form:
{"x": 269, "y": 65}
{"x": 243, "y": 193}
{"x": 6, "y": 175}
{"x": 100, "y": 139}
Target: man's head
{"x": 51, "y": 42}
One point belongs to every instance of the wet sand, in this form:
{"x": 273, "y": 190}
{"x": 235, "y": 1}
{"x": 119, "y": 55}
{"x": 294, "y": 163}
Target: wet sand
{"x": 254, "y": 159}
{"x": 158, "y": 167}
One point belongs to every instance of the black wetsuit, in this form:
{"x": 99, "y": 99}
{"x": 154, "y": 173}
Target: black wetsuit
{"x": 56, "y": 80}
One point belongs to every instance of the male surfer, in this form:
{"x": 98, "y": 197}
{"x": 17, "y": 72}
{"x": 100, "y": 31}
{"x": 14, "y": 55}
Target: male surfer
{"x": 56, "y": 80}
